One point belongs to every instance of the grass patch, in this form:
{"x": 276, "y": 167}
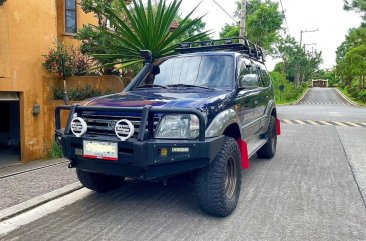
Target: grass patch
{"x": 349, "y": 95}
{"x": 56, "y": 151}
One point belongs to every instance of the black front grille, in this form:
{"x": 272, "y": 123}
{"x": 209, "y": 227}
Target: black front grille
{"x": 103, "y": 125}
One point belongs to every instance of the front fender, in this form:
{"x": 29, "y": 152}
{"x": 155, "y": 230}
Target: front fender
{"x": 221, "y": 122}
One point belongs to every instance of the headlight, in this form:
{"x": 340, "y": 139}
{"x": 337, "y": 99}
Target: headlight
{"x": 178, "y": 127}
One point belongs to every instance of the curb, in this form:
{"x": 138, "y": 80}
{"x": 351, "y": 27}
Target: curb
{"x": 346, "y": 98}
{"x": 37, "y": 201}
{"x": 300, "y": 99}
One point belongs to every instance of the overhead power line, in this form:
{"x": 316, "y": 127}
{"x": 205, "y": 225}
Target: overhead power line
{"x": 224, "y": 11}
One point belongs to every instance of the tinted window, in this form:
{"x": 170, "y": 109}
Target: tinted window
{"x": 207, "y": 71}
{"x": 266, "y": 79}
{"x": 70, "y": 16}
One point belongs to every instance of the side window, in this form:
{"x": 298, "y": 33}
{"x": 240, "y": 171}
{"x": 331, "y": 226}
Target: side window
{"x": 70, "y": 16}
{"x": 266, "y": 78}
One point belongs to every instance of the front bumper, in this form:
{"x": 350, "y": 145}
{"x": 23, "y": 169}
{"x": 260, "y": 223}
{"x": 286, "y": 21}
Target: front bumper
{"x": 144, "y": 160}
{"x": 140, "y": 157}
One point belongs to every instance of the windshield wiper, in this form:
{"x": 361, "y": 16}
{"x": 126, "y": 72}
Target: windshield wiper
{"x": 190, "y": 86}
{"x": 151, "y": 85}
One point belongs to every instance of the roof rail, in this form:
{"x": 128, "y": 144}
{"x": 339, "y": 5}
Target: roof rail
{"x": 229, "y": 44}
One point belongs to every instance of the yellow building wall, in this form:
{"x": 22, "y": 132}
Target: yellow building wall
{"x": 26, "y": 33}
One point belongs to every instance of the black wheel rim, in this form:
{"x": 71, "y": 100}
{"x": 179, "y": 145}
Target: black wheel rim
{"x": 230, "y": 178}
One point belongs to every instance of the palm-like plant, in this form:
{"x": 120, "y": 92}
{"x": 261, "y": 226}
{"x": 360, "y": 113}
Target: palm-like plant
{"x": 144, "y": 28}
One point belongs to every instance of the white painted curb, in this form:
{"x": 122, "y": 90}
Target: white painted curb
{"x": 346, "y": 98}
{"x": 37, "y": 201}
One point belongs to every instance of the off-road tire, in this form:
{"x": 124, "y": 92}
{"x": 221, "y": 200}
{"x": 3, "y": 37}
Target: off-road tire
{"x": 99, "y": 182}
{"x": 215, "y": 196}
{"x": 269, "y": 149}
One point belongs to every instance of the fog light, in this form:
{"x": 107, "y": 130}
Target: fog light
{"x": 163, "y": 152}
{"x": 78, "y": 152}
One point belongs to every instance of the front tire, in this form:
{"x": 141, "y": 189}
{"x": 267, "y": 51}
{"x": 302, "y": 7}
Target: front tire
{"x": 269, "y": 149}
{"x": 218, "y": 185}
{"x": 99, "y": 182}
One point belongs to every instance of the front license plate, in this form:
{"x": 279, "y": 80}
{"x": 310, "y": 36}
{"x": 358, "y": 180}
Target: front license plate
{"x": 100, "y": 150}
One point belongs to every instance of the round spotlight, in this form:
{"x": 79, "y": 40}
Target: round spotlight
{"x": 78, "y": 126}
{"x": 124, "y": 129}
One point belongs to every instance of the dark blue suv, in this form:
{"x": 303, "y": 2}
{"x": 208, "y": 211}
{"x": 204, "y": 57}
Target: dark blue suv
{"x": 204, "y": 112}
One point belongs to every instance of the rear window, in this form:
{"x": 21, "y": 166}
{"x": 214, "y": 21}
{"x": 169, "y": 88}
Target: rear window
{"x": 208, "y": 71}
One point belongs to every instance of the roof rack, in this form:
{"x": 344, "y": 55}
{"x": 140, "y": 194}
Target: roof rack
{"x": 229, "y": 44}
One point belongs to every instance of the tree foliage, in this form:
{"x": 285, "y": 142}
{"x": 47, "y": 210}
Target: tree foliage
{"x": 136, "y": 27}
{"x": 356, "y": 5}
{"x": 263, "y": 23}
{"x": 297, "y": 61}
{"x": 351, "y": 55}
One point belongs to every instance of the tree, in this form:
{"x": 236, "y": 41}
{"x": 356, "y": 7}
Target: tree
{"x": 264, "y": 20}
{"x": 298, "y": 64}
{"x": 356, "y": 5}
{"x": 355, "y": 64}
{"x": 346, "y": 53}
{"x": 134, "y": 28}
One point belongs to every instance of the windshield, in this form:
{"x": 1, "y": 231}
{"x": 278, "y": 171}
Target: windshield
{"x": 192, "y": 71}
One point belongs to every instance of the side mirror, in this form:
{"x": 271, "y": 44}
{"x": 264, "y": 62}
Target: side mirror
{"x": 249, "y": 81}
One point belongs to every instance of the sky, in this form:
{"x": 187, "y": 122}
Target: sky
{"x": 326, "y": 15}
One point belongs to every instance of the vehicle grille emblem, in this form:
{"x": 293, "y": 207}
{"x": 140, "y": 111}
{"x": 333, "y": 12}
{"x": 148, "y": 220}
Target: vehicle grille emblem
{"x": 111, "y": 125}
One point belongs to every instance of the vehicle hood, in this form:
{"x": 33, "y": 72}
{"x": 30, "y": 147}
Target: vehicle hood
{"x": 201, "y": 100}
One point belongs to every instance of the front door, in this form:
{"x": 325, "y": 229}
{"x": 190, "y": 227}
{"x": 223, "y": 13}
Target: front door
{"x": 247, "y": 103}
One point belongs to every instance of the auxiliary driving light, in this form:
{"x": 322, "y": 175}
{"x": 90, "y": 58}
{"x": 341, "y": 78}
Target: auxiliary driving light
{"x": 78, "y": 126}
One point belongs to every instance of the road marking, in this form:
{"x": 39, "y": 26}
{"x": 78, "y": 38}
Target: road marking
{"x": 322, "y": 103}
{"x": 325, "y": 123}
{"x": 353, "y": 124}
{"x": 41, "y": 211}
{"x": 312, "y": 122}
{"x": 300, "y": 122}
{"x": 339, "y": 123}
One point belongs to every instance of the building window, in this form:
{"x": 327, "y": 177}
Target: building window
{"x": 70, "y": 16}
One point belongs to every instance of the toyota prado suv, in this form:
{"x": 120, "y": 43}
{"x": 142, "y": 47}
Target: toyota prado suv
{"x": 203, "y": 112}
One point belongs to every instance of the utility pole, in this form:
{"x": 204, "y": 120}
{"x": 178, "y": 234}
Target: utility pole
{"x": 298, "y": 74}
{"x": 306, "y": 31}
{"x": 243, "y": 16}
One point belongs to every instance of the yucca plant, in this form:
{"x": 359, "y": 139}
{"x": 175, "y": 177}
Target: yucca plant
{"x": 144, "y": 27}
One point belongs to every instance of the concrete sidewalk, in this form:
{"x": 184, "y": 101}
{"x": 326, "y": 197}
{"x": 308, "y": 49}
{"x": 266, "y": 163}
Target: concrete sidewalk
{"x": 23, "y": 182}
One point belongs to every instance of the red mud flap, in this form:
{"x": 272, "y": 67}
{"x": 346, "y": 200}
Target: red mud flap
{"x": 278, "y": 127}
{"x": 244, "y": 154}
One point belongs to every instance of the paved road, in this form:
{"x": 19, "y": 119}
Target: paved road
{"x": 311, "y": 190}
{"x": 321, "y": 95}
{"x": 23, "y": 182}
{"x": 336, "y": 109}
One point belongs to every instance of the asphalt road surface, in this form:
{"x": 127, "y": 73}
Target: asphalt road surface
{"x": 314, "y": 189}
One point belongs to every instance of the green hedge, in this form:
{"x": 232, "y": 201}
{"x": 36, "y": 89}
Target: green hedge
{"x": 79, "y": 94}
{"x": 290, "y": 93}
